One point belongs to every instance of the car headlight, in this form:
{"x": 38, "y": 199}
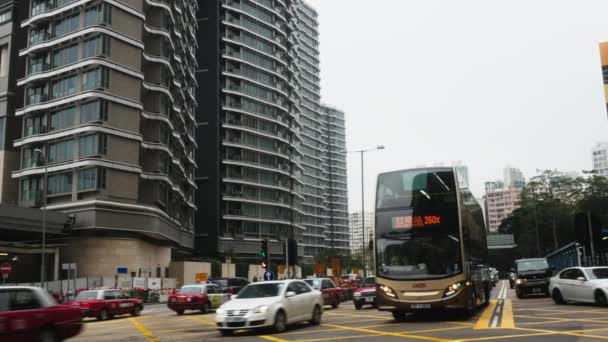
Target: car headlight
{"x": 357, "y": 295}
{"x": 220, "y": 311}
{"x": 453, "y": 289}
{"x": 520, "y": 281}
{"x": 189, "y": 299}
{"x": 388, "y": 291}
{"x": 261, "y": 309}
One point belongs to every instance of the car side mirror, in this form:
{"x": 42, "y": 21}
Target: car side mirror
{"x": 512, "y": 270}
{"x": 290, "y": 294}
{"x": 581, "y": 279}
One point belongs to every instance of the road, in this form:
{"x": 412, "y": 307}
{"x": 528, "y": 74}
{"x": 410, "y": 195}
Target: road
{"x": 506, "y": 318}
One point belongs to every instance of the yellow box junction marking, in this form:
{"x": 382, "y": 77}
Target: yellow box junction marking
{"x": 144, "y": 331}
{"x": 484, "y": 320}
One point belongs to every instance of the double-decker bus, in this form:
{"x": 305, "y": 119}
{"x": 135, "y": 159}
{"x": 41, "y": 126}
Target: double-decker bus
{"x": 430, "y": 243}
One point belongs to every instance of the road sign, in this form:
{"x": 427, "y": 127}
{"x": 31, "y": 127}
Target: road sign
{"x": 201, "y": 277}
{"x": 268, "y": 275}
{"x": 122, "y": 270}
{"x": 6, "y": 268}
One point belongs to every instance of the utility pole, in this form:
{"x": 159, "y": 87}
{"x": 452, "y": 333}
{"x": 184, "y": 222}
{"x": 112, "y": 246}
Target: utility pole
{"x": 590, "y": 229}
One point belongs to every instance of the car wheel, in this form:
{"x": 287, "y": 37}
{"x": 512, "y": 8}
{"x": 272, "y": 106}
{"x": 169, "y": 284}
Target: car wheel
{"x": 557, "y": 297}
{"x": 103, "y": 315}
{"x": 511, "y": 284}
{"x": 136, "y": 311}
{"x": 358, "y": 306}
{"x": 205, "y": 308}
{"x": 336, "y": 302}
{"x": 179, "y": 312}
{"x": 280, "y": 322}
{"x": 600, "y": 298}
{"x": 399, "y": 316}
{"x": 316, "y": 316}
{"x": 469, "y": 311}
{"x": 226, "y": 332}
{"x": 519, "y": 294}
{"x": 47, "y": 335}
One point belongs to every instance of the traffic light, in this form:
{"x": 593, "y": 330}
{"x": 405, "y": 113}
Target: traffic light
{"x": 263, "y": 254}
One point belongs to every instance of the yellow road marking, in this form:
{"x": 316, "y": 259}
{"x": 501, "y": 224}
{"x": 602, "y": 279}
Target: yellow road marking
{"x": 578, "y": 333}
{"x": 359, "y": 320}
{"x": 204, "y": 321}
{"x": 144, "y": 331}
{"x": 272, "y": 338}
{"x": 106, "y": 329}
{"x": 507, "y": 315}
{"x": 339, "y": 338}
{"x": 484, "y": 319}
{"x": 586, "y": 320}
{"x": 362, "y": 316}
{"x": 434, "y": 330}
{"x": 385, "y": 333}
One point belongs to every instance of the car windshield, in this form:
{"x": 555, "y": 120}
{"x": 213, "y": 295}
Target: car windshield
{"x": 222, "y": 282}
{"x": 261, "y": 290}
{"x": 600, "y": 273}
{"x": 191, "y": 289}
{"x": 314, "y": 283}
{"x": 86, "y": 295}
{"x": 532, "y": 265}
{"x": 369, "y": 281}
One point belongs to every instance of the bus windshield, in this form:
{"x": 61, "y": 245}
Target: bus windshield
{"x": 417, "y": 226}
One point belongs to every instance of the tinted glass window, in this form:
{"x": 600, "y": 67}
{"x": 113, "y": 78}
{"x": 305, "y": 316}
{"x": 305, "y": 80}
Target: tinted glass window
{"x": 191, "y": 289}
{"x": 24, "y": 300}
{"x": 212, "y": 290}
{"x": 566, "y": 274}
{"x": 576, "y": 273}
{"x": 86, "y": 295}
{"x": 532, "y": 265}
{"x": 261, "y": 290}
{"x": 405, "y": 188}
{"x": 301, "y": 287}
{"x": 600, "y": 273}
{"x": 4, "y": 300}
{"x": 109, "y": 295}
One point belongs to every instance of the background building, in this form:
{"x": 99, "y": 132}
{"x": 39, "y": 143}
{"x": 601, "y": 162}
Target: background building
{"x": 356, "y": 231}
{"x": 500, "y": 203}
{"x": 513, "y": 178}
{"x": 599, "y": 155}
{"x": 108, "y": 105}
{"x": 264, "y": 160}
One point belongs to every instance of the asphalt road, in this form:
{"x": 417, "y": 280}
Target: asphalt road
{"x": 506, "y": 318}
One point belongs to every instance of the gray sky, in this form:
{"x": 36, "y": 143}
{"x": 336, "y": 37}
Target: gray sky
{"x": 487, "y": 82}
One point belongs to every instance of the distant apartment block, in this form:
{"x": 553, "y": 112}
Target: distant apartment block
{"x": 356, "y": 231}
{"x": 599, "y": 155}
{"x": 513, "y": 177}
{"x": 500, "y": 203}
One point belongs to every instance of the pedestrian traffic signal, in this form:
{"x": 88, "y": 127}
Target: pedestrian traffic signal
{"x": 263, "y": 253}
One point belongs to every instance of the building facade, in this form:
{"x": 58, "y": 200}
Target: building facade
{"x": 500, "y": 203}
{"x": 109, "y": 112}
{"x": 356, "y": 231}
{"x": 262, "y": 130}
{"x": 599, "y": 155}
{"x": 513, "y": 177}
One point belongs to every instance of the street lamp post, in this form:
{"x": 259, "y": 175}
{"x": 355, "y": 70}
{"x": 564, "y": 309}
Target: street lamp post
{"x": 361, "y": 152}
{"x": 44, "y": 190}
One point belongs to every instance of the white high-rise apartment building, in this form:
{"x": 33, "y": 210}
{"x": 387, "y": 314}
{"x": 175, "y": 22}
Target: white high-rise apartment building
{"x": 600, "y": 158}
{"x": 356, "y": 233}
{"x": 513, "y": 177}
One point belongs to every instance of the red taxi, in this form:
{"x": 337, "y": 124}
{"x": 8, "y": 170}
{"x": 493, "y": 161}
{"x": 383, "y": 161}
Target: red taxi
{"x": 332, "y": 295}
{"x": 105, "y": 304}
{"x": 31, "y": 314}
{"x": 203, "y": 297}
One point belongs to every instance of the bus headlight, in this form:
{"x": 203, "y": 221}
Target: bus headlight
{"x": 520, "y": 281}
{"x": 388, "y": 291}
{"x": 453, "y": 289}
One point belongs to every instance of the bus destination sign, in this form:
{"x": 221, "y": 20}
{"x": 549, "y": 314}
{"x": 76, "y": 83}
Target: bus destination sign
{"x": 407, "y": 222}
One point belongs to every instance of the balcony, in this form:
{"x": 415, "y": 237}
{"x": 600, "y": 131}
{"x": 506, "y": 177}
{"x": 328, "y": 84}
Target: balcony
{"x": 35, "y": 99}
{"x": 38, "y": 68}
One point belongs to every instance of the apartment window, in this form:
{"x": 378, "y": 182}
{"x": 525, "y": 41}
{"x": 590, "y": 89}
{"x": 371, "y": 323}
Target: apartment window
{"x": 6, "y": 16}
{"x": 96, "y": 78}
{"x": 39, "y": 6}
{"x": 98, "y": 14}
{"x": 29, "y": 159}
{"x": 92, "y": 145}
{"x": 36, "y": 95}
{"x": 39, "y": 34}
{"x": 63, "y": 118}
{"x": 66, "y": 55}
{"x": 59, "y": 3}
{"x": 35, "y": 125}
{"x": 91, "y": 179}
{"x": 93, "y": 111}
{"x": 61, "y": 151}
{"x": 37, "y": 64}
{"x": 67, "y": 24}
{"x": 30, "y": 188}
{"x": 98, "y": 46}
{"x": 59, "y": 184}
{"x": 64, "y": 87}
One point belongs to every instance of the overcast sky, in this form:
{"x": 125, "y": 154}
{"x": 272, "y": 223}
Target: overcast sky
{"x": 487, "y": 82}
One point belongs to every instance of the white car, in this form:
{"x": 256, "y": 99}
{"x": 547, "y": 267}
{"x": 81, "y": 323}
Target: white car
{"x": 270, "y": 304}
{"x": 580, "y": 284}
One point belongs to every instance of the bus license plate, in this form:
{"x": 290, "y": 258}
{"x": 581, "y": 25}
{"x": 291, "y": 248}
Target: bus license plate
{"x": 536, "y": 290}
{"x": 421, "y": 306}
{"x": 369, "y": 299}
